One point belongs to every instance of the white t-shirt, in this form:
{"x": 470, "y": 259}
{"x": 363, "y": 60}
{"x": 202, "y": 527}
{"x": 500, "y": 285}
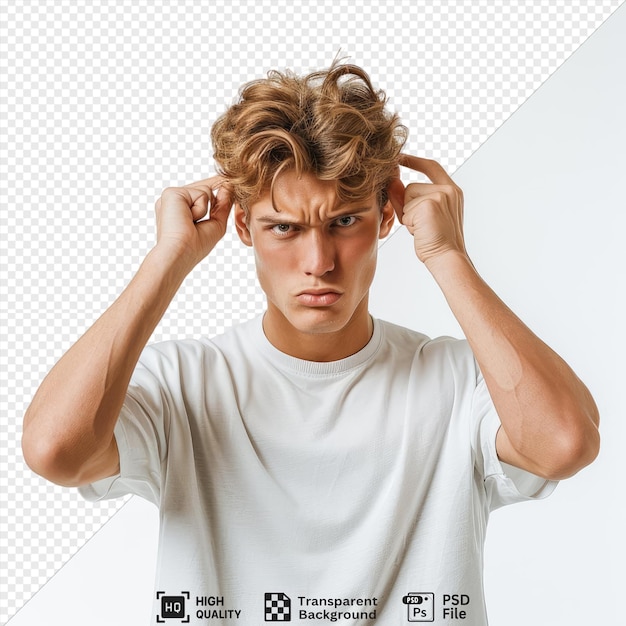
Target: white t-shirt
{"x": 355, "y": 491}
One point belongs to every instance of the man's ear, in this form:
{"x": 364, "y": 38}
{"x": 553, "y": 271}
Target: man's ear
{"x": 241, "y": 224}
{"x": 386, "y": 220}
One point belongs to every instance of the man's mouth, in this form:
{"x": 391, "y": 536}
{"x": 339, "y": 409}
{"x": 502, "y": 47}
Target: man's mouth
{"x": 318, "y": 297}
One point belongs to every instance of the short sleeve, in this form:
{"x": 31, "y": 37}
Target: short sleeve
{"x": 504, "y": 484}
{"x": 141, "y": 437}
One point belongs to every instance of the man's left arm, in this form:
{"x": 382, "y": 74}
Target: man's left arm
{"x": 549, "y": 419}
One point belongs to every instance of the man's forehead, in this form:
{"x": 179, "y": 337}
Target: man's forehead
{"x": 306, "y": 194}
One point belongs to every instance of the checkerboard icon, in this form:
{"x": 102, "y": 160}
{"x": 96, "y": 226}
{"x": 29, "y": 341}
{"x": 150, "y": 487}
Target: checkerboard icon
{"x": 277, "y": 607}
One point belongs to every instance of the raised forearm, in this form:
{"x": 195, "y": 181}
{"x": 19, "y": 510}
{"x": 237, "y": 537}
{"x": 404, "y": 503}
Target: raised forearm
{"x": 68, "y": 428}
{"x": 549, "y": 419}
{"x": 548, "y": 416}
{"x": 71, "y": 418}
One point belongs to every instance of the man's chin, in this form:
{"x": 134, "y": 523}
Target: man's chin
{"x": 315, "y": 320}
{"x": 318, "y": 320}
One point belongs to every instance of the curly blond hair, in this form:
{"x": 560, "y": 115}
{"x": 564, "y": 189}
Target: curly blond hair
{"x": 332, "y": 124}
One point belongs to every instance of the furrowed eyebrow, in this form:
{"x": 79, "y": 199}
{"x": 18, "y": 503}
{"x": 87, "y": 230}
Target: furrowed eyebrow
{"x": 276, "y": 219}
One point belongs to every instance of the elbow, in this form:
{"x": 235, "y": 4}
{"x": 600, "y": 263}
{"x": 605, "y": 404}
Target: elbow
{"x": 572, "y": 453}
{"x": 49, "y": 459}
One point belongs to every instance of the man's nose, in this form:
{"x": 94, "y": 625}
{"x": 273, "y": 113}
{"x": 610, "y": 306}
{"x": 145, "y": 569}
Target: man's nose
{"x": 318, "y": 253}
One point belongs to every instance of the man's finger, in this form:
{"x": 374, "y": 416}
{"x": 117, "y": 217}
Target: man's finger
{"x": 431, "y": 168}
{"x": 212, "y": 181}
{"x": 223, "y": 203}
{"x": 414, "y": 190}
{"x": 219, "y": 201}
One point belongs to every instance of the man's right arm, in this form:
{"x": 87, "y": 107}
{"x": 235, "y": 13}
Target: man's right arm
{"x": 68, "y": 427}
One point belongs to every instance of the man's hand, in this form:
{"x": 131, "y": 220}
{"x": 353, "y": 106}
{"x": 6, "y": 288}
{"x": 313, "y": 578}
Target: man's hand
{"x": 432, "y": 212}
{"x": 181, "y": 228}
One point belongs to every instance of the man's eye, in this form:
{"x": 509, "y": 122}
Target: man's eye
{"x": 346, "y": 220}
{"x": 281, "y": 229}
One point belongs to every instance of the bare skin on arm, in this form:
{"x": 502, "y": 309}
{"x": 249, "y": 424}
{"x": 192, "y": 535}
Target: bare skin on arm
{"x": 68, "y": 427}
{"x": 549, "y": 418}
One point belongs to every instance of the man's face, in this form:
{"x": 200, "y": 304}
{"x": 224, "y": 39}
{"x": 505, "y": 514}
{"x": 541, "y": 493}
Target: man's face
{"x": 315, "y": 260}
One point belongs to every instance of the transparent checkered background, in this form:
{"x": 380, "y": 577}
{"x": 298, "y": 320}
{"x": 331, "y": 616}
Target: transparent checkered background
{"x": 104, "y": 104}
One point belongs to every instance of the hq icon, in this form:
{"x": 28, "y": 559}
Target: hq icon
{"x": 172, "y": 607}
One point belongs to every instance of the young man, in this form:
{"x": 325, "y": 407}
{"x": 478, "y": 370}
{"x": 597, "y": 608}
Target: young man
{"x": 314, "y": 454}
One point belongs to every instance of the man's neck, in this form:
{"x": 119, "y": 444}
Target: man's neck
{"x": 319, "y": 346}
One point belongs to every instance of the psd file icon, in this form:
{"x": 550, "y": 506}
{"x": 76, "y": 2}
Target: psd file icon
{"x": 420, "y": 606}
